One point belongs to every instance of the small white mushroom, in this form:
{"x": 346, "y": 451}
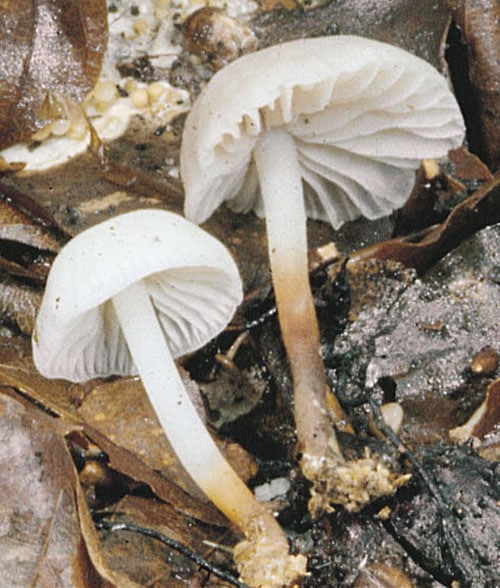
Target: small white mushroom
{"x": 331, "y": 128}
{"x": 127, "y": 296}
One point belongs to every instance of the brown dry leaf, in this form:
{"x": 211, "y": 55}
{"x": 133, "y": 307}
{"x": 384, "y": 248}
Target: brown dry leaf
{"x": 119, "y": 412}
{"x": 159, "y": 565}
{"x": 18, "y": 304}
{"x": 40, "y": 538}
{"x": 480, "y": 210}
{"x": 22, "y": 220}
{"x": 478, "y": 22}
{"x": 47, "y": 536}
{"x": 62, "y": 398}
{"x": 126, "y": 462}
{"x": 29, "y": 237}
{"x": 56, "y": 397}
{"x": 20, "y": 374}
{"x": 440, "y": 187}
{"x": 46, "y": 47}
{"x": 29, "y": 240}
{"x": 95, "y": 551}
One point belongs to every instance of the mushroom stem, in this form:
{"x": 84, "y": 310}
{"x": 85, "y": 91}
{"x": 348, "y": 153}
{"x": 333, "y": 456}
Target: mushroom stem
{"x": 187, "y": 433}
{"x": 277, "y": 164}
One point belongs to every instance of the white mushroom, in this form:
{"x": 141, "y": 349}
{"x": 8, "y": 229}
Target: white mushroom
{"x": 331, "y": 128}
{"x": 127, "y": 296}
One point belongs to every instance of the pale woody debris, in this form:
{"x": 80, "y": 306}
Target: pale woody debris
{"x": 351, "y": 484}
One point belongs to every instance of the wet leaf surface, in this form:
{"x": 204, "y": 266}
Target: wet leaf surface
{"x": 451, "y": 531}
{"x": 421, "y": 34}
{"x": 46, "y": 49}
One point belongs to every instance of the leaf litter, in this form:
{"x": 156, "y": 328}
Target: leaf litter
{"x": 390, "y": 334}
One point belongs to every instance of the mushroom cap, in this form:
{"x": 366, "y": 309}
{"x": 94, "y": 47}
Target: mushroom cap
{"x": 190, "y": 276}
{"x": 363, "y": 114}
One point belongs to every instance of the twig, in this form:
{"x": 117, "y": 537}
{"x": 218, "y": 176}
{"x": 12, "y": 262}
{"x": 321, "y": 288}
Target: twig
{"x": 173, "y": 544}
{"x": 467, "y": 570}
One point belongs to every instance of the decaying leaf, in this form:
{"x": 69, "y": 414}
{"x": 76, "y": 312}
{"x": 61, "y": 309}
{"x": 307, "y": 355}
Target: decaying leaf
{"x": 56, "y": 397}
{"x": 20, "y": 207}
{"x": 439, "y": 188}
{"x": 16, "y": 227}
{"x": 62, "y": 398}
{"x": 160, "y": 565}
{"x": 453, "y": 522}
{"x": 121, "y": 412}
{"x": 46, "y": 47}
{"x": 29, "y": 240}
{"x": 426, "y": 339}
{"x": 18, "y": 304}
{"x": 418, "y": 28}
{"x": 483, "y": 426}
{"x": 478, "y": 84}
{"x": 40, "y": 539}
{"x": 422, "y": 251}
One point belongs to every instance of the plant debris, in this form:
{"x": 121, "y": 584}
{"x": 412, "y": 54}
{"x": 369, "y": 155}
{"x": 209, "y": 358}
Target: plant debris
{"x": 46, "y": 49}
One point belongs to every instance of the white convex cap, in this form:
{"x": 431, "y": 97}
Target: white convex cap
{"x": 363, "y": 115}
{"x": 189, "y": 275}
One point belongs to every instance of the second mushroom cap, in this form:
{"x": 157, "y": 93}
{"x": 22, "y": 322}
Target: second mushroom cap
{"x": 362, "y": 113}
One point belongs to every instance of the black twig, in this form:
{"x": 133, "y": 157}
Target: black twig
{"x": 465, "y": 563}
{"x": 173, "y": 544}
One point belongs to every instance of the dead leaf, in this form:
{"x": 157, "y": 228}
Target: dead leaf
{"x": 29, "y": 238}
{"x": 417, "y": 27}
{"x": 40, "y": 539}
{"x": 453, "y": 522}
{"x": 120, "y": 411}
{"x": 56, "y": 397}
{"x": 484, "y": 424}
{"x": 159, "y": 565}
{"x": 46, "y": 47}
{"x": 478, "y": 21}
{"x": 126, "y": 462}
{"x": 17, "y": 226}
{"x": 95, "y": 551}
{"x": 440, "y": 187}
{"x": 18, "y": 304}
{"x": 61, "y": 399}
{"x": 421, "y": 251}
